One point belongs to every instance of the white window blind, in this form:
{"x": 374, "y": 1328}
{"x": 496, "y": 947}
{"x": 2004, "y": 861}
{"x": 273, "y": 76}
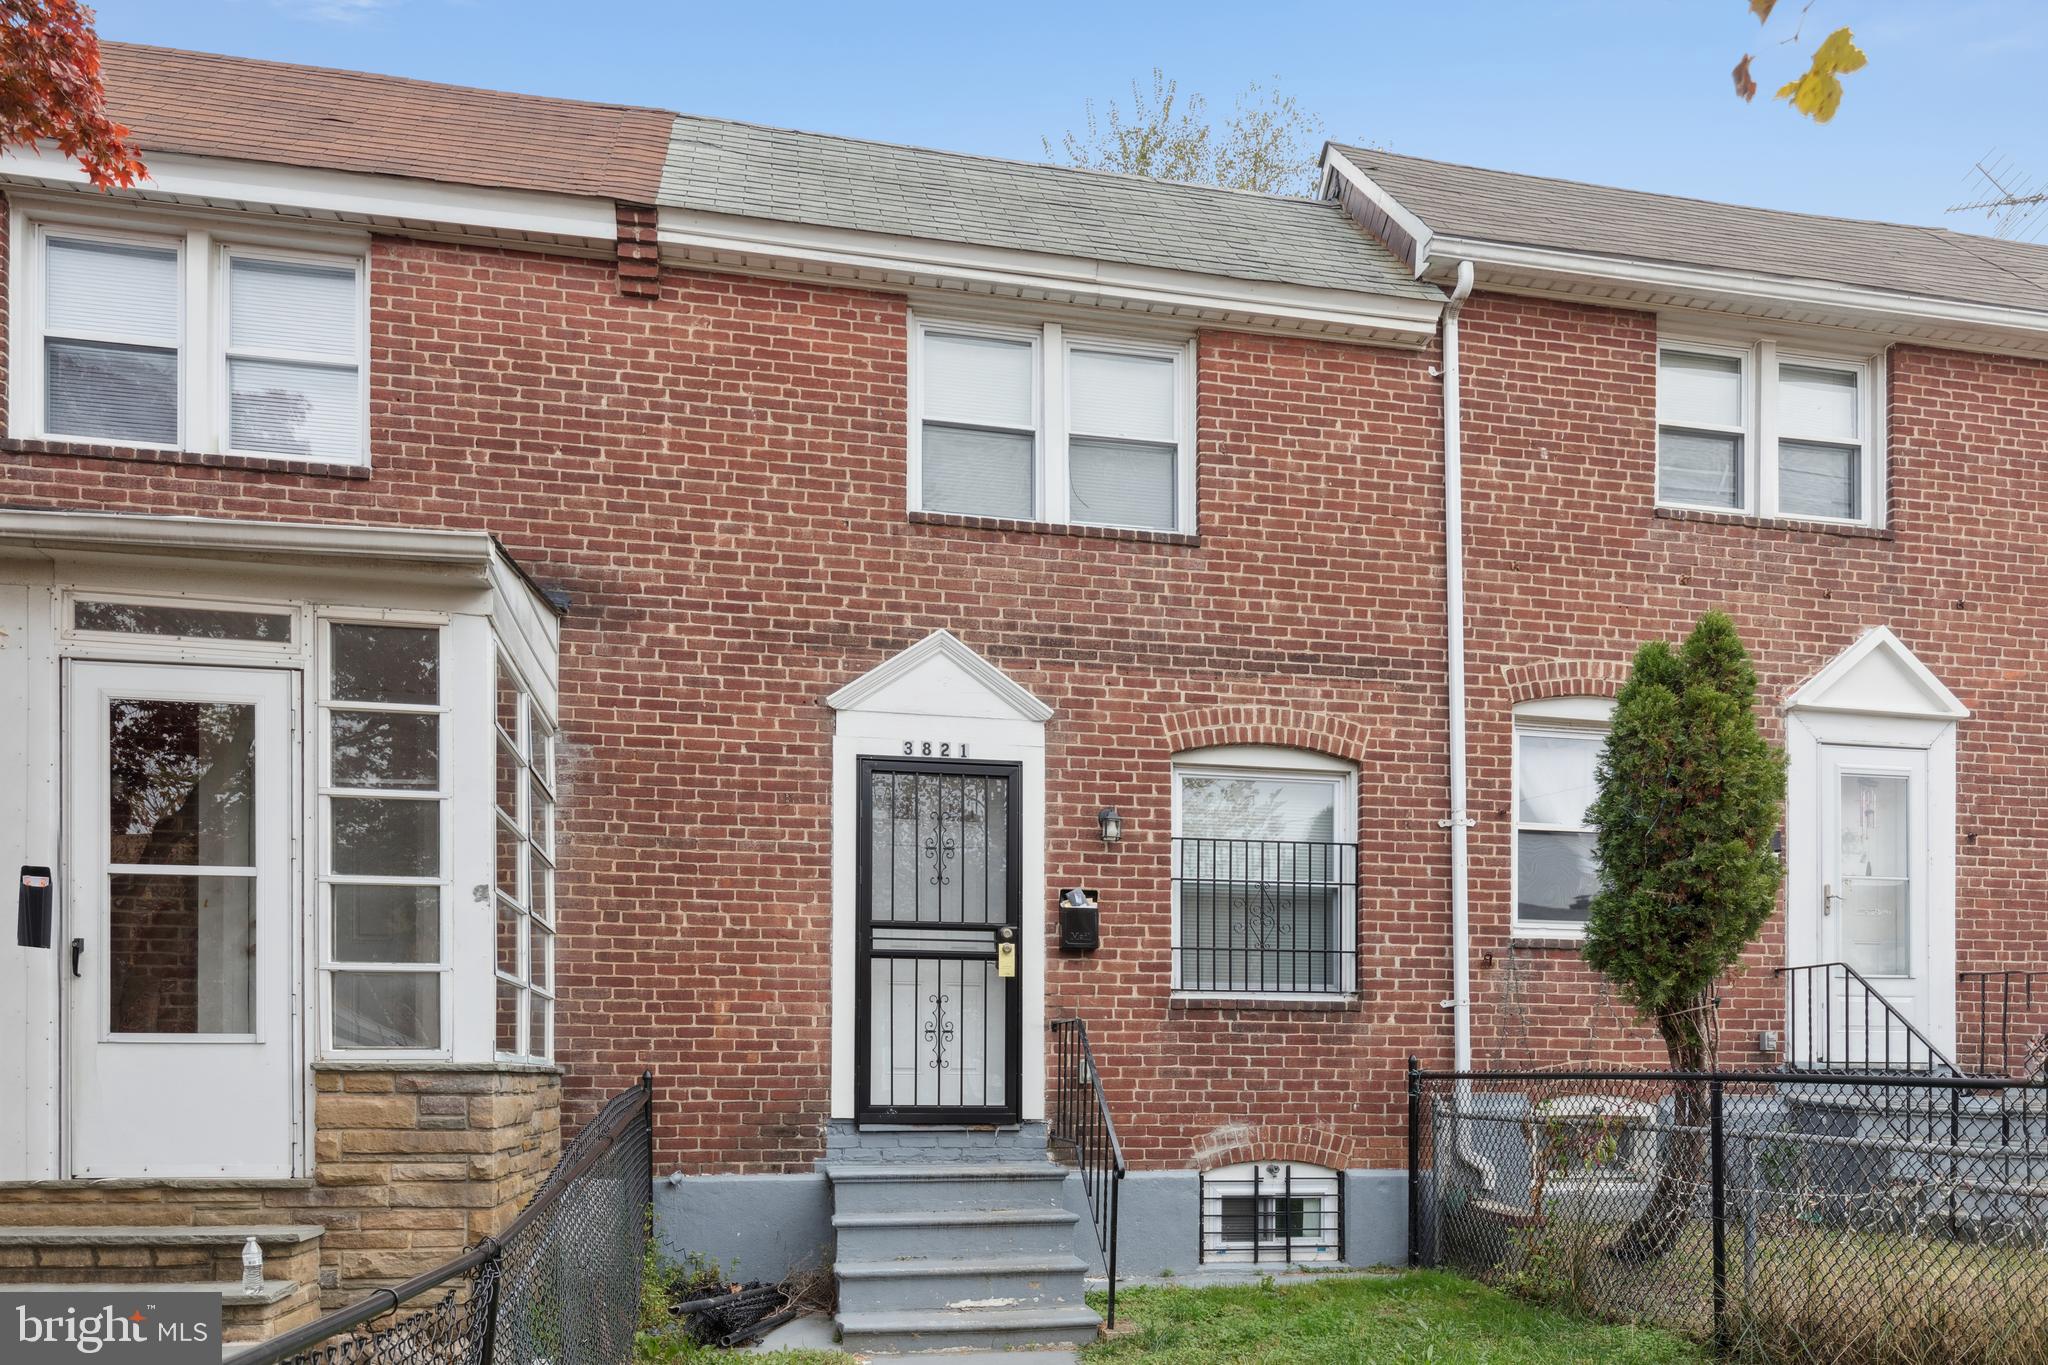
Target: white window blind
{"x": 1820, "y": 456}
{"x": 1699, "y": 438}
{"x": 293, "y": 372}
{"x": 1027, "y": 423}
{"x": 1555, "y": 782}
{"x": 1122, "y": 447}
{"x": 980, "y": 432}
{"x": 110, "y": 341}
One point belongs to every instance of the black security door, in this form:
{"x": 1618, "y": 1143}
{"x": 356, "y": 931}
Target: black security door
{"x": 939, "y": 943}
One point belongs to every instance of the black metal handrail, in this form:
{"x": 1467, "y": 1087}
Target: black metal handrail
{"x": 1081, "y": 1120}
{"x": 1832, "y": 994}
{"x": 618, "y": 1116}
{"x": 2000, "y": 996}
{"x": 1265, "y": 916}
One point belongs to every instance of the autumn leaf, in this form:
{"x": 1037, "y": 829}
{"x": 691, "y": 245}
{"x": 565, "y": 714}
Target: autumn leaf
{"x": 1818, "y": 93}
{"x": 50, "y": 89}
{"x": 1762, "y": 10}
{"x": 1745, "y": 84}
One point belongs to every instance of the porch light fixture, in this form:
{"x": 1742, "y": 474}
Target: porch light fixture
{"x": 1112, "y": 825}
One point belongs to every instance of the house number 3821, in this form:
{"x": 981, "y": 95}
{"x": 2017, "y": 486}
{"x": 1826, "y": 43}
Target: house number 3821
{"x": 932, "y": 748}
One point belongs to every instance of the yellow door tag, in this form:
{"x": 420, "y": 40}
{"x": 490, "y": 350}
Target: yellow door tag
{"x": 1006, "y": 959}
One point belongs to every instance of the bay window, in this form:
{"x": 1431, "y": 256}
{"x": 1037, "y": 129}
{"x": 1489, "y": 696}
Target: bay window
{"x": 1557, "y": 759}
{"x": 181, "y": 339}
{"x": 1035, "y": 423}
{"x": 1264, "y": 873}
{"x": 1766, "y": 431}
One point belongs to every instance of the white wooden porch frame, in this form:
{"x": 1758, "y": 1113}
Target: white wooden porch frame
{"x": 459, "y": 579}
{"x": 942, "y": 691}
{"x": 1877, "y": 694}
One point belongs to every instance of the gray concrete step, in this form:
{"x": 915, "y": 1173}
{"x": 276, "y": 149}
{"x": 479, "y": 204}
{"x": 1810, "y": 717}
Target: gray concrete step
{"x": 893, "y": 1188}
{"x": 963, "y": 1232}
{"x": 966, "y": 1329}
{"x": 954, "y": 1283}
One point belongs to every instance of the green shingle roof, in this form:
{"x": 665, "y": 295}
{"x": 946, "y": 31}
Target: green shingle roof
{"x": 750, "y": 171}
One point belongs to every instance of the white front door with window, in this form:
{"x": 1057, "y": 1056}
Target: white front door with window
{"x": 181, "y": 923}
{"x": 1871, "y": 860}
{"x": 1873, "y": 897}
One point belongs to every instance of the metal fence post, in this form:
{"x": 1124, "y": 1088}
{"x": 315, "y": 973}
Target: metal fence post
{"x": 1414, "y": 1162}
{"x": 1717, "y": 1154}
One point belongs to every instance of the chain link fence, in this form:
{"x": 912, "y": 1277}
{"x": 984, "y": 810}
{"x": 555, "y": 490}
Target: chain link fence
{"x": 1891, "y": 1220}
{"x": 561, "y": 1283}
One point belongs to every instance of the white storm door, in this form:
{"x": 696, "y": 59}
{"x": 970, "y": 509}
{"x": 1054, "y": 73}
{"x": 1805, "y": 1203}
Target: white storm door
{"x": 181, "y": 921}
{"x": 1874, "y": 897}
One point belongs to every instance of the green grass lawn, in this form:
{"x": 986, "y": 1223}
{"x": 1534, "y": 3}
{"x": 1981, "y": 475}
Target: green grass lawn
{"x": 1422, "y": 1316}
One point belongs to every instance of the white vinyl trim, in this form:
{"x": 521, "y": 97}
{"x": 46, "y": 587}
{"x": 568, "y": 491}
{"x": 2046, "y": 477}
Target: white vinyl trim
{"x": 758, "y": 246}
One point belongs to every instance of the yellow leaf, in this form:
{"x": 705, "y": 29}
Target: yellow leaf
{"x": 1818, "y": 93}
{"x": 1762, "y": 9}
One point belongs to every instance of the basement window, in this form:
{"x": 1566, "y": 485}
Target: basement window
{"x": 1036, "y": 423}
{"x": 1272, "y": 1213}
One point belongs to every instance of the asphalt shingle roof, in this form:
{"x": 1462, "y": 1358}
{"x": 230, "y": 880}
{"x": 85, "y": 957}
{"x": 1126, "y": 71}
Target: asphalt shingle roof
{"x": 1529, "y": 210}
{"x": 821, "y": 180}
{"x": 208, "y": 105}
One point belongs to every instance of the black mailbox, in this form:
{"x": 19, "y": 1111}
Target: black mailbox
{"x": 1080, "y": 921}
{"x": 32, "y": 913}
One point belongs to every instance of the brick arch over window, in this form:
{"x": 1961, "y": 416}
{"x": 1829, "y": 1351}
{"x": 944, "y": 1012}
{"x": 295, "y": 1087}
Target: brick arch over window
{"x": 1307, "y": 1143}
{"x": 1564, "y": 678}
{"x": 1212, "y": 726}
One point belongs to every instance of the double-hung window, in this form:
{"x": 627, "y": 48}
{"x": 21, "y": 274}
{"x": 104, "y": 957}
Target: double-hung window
{"x": 1766, "y": 431}
{"x": 1039, "y": 424}
{"x": 180, "y": 340}
{"x": 1264, "y": 874}
{"x": 1557, "y": 760}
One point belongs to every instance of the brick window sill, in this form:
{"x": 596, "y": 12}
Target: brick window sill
{"x": 84, "y": 450}
{"x": 1556, "y": 943}
{"x": 1052, "y": 528}
{"x": 1818, "y": 528}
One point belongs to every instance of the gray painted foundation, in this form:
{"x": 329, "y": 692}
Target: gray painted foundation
{"x": 770, "y": 1225}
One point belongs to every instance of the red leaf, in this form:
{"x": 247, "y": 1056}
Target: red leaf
{"x": 50, "y": 90}
{"x": 1745, "y": 84}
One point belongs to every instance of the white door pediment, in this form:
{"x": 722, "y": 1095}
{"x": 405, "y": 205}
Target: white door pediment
{"x": 1878, "y": 676}
{"x": 940, "y": 676}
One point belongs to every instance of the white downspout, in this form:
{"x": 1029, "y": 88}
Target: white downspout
{"x": 1460, "y": 818}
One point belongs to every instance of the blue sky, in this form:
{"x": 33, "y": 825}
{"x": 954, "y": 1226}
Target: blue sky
{"x": 1625, "y": 92}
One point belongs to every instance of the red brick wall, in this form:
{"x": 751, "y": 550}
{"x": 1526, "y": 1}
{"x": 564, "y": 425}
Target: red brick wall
{"x": 716, "y": 479}
{"x": 1570, "y": 565}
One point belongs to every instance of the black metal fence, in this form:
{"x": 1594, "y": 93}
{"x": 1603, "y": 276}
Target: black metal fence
{"x": 1082, "y": 1125}
{"x": 560, "y": 1284}
{"x": 1781, "y": 1216}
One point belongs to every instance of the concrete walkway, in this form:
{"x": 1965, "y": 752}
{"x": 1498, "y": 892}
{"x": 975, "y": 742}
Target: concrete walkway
{"x": 814, "y": 1333}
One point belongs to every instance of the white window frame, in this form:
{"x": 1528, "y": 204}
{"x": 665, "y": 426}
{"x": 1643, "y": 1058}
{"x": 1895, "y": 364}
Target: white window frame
{"x": 324, "y": 960}
{"x": 1297, "y": 765}
{"x": 204, "y": 249}
{"x": 536, "y": 762}
{"x": 1051, "y": 346}
{"x": 1578, "y": 717}
{"x": 1216, "y": 1248}
{"x": 1761, "y": 362}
